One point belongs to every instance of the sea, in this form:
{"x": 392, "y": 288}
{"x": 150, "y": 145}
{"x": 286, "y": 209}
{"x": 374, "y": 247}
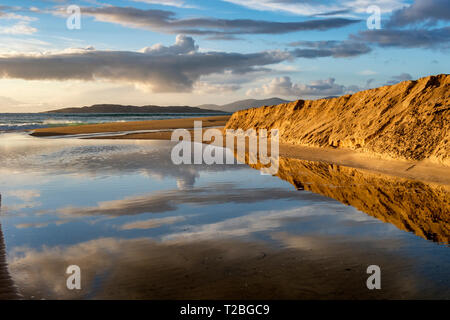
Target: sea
{"x": 30, "y": 121}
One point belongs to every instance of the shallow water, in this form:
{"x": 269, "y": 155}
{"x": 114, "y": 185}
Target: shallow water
{"x": 24, "y": 121}
{"x": 140, "y": 227}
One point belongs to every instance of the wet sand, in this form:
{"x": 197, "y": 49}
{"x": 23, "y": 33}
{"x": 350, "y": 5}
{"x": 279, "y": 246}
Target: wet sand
{"x": 7, "y": 289}
{"x": 168, "y": 124}
{"x": 308, "y": 268}
{"x": 238, "y": 237}
{"x": 417, "y": 170}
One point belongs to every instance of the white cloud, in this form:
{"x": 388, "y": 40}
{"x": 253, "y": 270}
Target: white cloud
{"x": 183, "y": 45}
{"x": 18, "y": 28}
{"x": 318, "y": 7}
{"x": 256, "y": 222}
{"x": 367, "y": 72}
{"x": 172, "y": 3}
{"x": 24, "y": 195}
{"x": 21, "y": 27}
{"x": 283, "y": 86}
{"x": 306, "y": 8}
{"x": 203, "y": 87}
{"x": 152, "y": 223}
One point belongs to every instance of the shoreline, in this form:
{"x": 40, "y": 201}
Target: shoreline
{"x": 415, "y": 170}
{"x": 119, "y": 127}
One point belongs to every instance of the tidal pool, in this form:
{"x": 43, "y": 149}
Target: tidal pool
{"x": 140, "y": 227}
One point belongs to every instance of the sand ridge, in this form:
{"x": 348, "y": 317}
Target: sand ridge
{"x": 409, "y": 121}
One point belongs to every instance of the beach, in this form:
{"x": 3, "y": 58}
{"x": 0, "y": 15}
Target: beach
{"x": 420, "y": 170}
{"x": 164, "y": 126}
{"x": 155, "y": 230}
{"x": 141, "y": 227}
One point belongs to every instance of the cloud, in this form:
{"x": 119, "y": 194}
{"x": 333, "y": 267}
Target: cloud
{"x": 285, "y": 87}
{"x": 142, "y": 268}
{"x": 20, "y": 27}
{"x": 386, "y": 6}
{"x": 306, "y": 7}
{"x": 367, "y": 72}
{"x": 399, "y": 78}
{"x": 162, "y": 69}
{"x": 171, "y": 200}
{"x": 258, "y": 221}
{"x": 424, "y": 12}
{"x": 151, "y": 223}
{"x": 166, "y": 22}
{"x": 32, "y": 225}
{"x": 172, "y": 3}
{"x": 183, "y": 45}
{"x": 318, "y": 7}
{"x": 336, "y": 49}
{"x": 204, "y": 87}
{"x": 24, "y": 195}
{"x": 13, "y": 44}
{"x": 437, "y": 38}
{"x": 421, "y": 11}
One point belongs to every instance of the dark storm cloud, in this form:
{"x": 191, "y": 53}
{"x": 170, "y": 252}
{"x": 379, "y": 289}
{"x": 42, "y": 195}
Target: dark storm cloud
{"x": 437, "y": 38}
{"x": 336, "y": 49}
{"x": 421, "y": 11}
{"x": 167, "y": 22}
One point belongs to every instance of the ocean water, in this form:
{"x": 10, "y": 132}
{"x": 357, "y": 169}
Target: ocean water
{"x": 140, "y": 227}
{"x": 27, "y": 121}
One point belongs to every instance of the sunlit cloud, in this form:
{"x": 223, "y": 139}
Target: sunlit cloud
{"x": 162, "y": 69}
{"x": 284, "y": 86}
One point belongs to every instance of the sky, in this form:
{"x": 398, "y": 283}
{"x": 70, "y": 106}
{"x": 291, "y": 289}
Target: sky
{"x": 186, "y": 52}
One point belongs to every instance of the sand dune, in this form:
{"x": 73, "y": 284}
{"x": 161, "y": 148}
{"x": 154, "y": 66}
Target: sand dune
{"x": 409, "y": 120}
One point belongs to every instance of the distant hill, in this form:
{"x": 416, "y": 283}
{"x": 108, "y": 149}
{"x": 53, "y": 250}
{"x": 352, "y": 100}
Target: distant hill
{"x": 117, "y": 108}
{"x": 244, "y": 104}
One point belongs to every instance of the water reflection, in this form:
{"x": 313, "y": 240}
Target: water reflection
{"x": 142, "y": 228}
{"x": 7, "y": 288}
{"x": 146, "y": 269}
{"x": 415, "y": 206}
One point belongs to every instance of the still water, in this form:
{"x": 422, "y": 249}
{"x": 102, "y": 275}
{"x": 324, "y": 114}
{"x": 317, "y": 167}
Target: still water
{"x": 140, "y": 227}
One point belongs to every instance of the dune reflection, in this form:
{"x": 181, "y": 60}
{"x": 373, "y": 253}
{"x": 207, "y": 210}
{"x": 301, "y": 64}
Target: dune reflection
{"x": 414, "y": 206}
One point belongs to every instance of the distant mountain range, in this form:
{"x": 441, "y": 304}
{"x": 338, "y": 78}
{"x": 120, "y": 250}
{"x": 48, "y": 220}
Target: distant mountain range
{"x": 205, "y": 108}
{"x": 117, "y": 108}
{"x": 244, "y": 104}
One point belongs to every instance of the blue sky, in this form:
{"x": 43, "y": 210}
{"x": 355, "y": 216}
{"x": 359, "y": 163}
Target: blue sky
{"x": 184, "y": 52}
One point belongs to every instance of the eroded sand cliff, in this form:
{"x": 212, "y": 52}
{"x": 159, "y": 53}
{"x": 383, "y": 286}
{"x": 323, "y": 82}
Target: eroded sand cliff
{"x": 409, "y": 120}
